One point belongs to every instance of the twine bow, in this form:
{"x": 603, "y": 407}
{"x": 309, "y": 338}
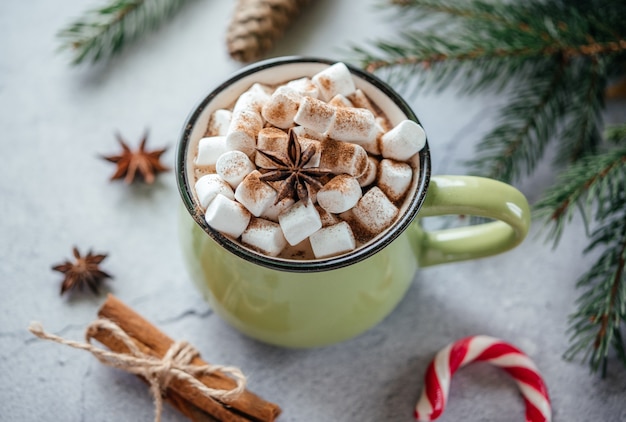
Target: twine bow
{"x": 176, "y": 363}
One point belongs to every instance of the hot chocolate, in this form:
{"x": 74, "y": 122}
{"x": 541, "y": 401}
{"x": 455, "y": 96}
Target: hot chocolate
{"x": 307, "y": 169}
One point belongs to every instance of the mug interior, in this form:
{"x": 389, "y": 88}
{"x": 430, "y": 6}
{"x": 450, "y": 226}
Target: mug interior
{"x": 275, "y": 72}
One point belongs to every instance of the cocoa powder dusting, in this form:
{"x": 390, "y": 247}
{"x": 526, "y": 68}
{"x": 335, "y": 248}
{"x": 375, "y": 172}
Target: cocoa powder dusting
{"x": 325, "y": 82}
{"x": 256, "y": 186}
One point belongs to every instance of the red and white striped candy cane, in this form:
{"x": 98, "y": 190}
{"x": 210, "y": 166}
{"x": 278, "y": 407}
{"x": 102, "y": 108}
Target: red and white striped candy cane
{"x": 487, "y": 349}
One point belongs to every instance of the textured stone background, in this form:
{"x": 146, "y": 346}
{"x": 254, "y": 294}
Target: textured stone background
{"x": 55, "y": 120}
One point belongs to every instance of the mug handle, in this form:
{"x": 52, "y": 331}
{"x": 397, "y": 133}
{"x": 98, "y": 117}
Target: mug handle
{"x": 476, "y": 196}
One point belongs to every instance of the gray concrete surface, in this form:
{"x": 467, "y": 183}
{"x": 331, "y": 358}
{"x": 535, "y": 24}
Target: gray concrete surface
{"x": 55, "y": 120}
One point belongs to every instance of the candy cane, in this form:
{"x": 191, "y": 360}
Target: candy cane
{"x": 488, "y": 349}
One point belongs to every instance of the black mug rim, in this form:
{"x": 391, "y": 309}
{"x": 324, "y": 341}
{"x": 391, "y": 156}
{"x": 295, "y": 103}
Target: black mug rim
{"x": 316, "y": 265}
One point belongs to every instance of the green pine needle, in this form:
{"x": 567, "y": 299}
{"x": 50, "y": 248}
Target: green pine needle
{"x": 103, "y": 32}
{"x": 590, "y": 186}
{"x": 555, "y": 59}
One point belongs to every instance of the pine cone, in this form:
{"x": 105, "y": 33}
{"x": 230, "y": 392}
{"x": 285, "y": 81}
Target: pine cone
{"x": 256, "y": 24}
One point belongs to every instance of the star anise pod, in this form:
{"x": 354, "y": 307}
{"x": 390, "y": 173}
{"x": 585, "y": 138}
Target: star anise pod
{"x": 85, "y": 270}
{"x": 129, "y": 162}
{"x": 295, "y": 179}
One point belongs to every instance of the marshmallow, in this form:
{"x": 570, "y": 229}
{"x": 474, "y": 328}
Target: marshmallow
{"x": 219, "y": 122}
{"x": 264, "y": 236}
{"x": 374, "y": 211}
{"x": 360, "y": 100}
{"x": 281, "y": 108}
{"x": 209, "y": 150}
{"x": 270, "y": 139}
{"x": 209, "y": 186}
{"x": 242, "y": 131}
{"x": 299, "y": 222}
{"x": 327, "y": 218}
{"x": 340, "y": 101}
{"x": 373, "y": 146}
{"x": 332, "y": 240}
{"x": 369, "y": 176}
{"x": 305, "y": 87}
{"x": 343, "y": 157}
{"x": 403, "y": 141}
{"x": 301, "y": 131}
{"x": 315, "y": 114}
{"x": 276, "y": 208}
{"x": 233, "y": 166}
{"x": 394, "y": 178}
{"x": 253, "y": 99}
{"x": 255, "y": 194}
{"x": 227, "y": 216}
{"x": 353, "y": 125}
{"x": 383, "y": 124}
{"x": 340, "y": 194}
{"x": 333, "y": 80}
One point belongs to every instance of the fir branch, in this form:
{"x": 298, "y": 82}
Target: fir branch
{"x": 479, "y": 10}
{"x": 616, "y": 134}
{"x": 600, "y": 180}
{"x": 496, "y": 37}
{"x": 594, "y": 179}
{"x": 602, "y": 306}
{"x": 513, "y": 148}
{"x": 556, "y": 57}
{"x": 103, "y": 32}
{"x": 581, "y": 135}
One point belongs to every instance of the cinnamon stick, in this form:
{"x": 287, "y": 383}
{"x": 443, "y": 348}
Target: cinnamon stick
{"x": 151, "y": 341}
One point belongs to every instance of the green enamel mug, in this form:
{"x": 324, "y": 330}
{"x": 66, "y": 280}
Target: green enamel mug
{"x": 317, "y": 302}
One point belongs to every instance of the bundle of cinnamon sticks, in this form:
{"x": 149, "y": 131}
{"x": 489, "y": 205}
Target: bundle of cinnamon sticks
{"x": 180, "y": 394}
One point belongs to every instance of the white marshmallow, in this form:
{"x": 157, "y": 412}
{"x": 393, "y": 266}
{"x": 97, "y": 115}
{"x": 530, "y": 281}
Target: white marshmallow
{"x": 369, "y": 176}
{"x": 299, "y": 222}
{"x": 403, "y": 141}
{"x": 209, "y": 186}
{"x": 374, "y": 211}
{"x": 233, "y": 166}
{"x": 305, "y": 87}
{"x": 219, "y": 122}
{"x": 242, "y": 131}
{"x": 264, "y": 236}
{"x": 360, "y": 100}
{"x": 253, "y": 99}
{"x": 332, "y": 240}
{"x": 209, "y": 150}
{"x": 340, "y": 194}
{"x": 333, "y": 80}
{"x": 340, "y": 101}
{"x": 281, "y": 108}
{"x": 301, "y": 131}
{"x": 327, "y": 218}
{"x": 255, "y": 194}
{"x": 394, "y": 178}
{"x": 270, "y": 139}
{"x": 373, "y": 146}
{"x": 383, "y": 124}
{"x": 275, "y": 209}
{"x": 227, "y": 216}
{"x": 315, "y": 114}
{"x": 356, "y": 125}
{"x": 343, "y": 157}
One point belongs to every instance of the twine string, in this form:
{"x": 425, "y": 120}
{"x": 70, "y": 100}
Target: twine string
{"x": 175, "y": 364}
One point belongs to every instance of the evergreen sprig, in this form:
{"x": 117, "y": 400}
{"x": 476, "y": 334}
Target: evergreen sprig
{"x": 554, "y": 58}
{"x": 103, "y": 32}
{"x": 595, "y": 185}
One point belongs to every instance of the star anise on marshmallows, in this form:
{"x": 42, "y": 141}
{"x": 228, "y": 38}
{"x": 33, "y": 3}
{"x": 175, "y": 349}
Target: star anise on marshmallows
{"x": 84, "y": 271}
{"x": 131, "y": 163}
{"x": 296, "y": 180}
